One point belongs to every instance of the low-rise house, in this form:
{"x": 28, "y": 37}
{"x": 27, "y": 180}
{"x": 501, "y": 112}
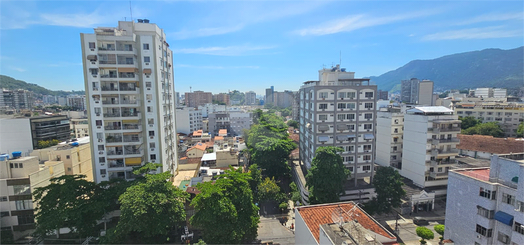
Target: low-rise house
{"x": 197, "y": 151}
{"x": 483, "y": 146}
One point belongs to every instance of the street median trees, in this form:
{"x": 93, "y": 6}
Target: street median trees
{"x": 327, "y": 175}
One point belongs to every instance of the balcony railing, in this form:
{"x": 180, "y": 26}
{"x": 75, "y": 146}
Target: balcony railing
{"x": 112, "y": 139}
{"x": 451, "y": 140}
{"x": 439, "y": 163}
{"x": 110, "y": 102}
{"x": 130, "y": 152}
{"x": 129, "y": 114}
{"x": 115, "y": 153}
{"x": 106, "y": 88}
{"x": 125, "y": 62}
{"x": 131, "y": 139}
{"x": 437, "y": 175}
{"x": 126, "y": 75}
{"x": 129, "y": 102}
{"x": 108, "y": 76}
{"x": 111, "y": 114}
{"x": 112, "y": 127}
{"x": 105, "y": 48}
{"x": 116, "y": 164}
{"x": 107, "y": 62}
{"x": 125, "y": 88}
{"x": 131, "y": 126}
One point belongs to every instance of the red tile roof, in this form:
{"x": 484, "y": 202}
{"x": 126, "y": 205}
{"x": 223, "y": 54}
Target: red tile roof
{"x": 222, "y": 131}
{"x": 317, "y": 215}
{"x": 198, "y": 133}
{"x": 219, "y": 137}
{"x": 199, "y": 146}
{"x": 490, "y": 144}
{"x": 480, "y": 174}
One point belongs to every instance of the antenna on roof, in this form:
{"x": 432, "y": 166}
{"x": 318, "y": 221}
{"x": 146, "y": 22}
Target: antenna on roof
{"x": 130, "y": 11}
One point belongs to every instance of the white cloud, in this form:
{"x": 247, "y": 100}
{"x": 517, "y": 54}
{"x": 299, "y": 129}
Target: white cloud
{"x": 474, "y": 33}
{"x": 493, "y": 17}
{"x": 217, "y": 67}
{"x": 204, "y": 32}
{"x": 16, "y": 68}
{"x": 355, "y": 22}
{"x": 224, "y": 51}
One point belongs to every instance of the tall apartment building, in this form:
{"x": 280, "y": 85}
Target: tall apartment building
{"x": 270, "y": 99}
{"x": 198, "y": 98}
{"x": 283, "y": 99}
{"x": 295, "y": 107}
{"x": 18, "y": 99}
{"x": 234, "y": 121}
{"x": 417, "y": 92}
{"x": 177, "y": 99}
{"x": 340, "y": 110}
{"x": 128, "y": 77}
{"x": 383, "y": 95}
{"x": 79, "y": 127}
{"x": 429, "y": 145}
{"x": 491, "y": 92}
{"x": 251, "y": 98}
{"x": 508, "y": 115}
{"x": 486, "y": 205}
{"x": 390, "y": 129}
{"x": 222, "y": 97}
{"x": 77, "y": 102}
{"x": 188, "y": 120}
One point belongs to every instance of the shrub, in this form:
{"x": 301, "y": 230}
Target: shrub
{"x": 424, "y": 233}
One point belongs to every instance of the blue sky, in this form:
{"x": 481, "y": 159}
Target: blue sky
{"x": 251, "y": 45}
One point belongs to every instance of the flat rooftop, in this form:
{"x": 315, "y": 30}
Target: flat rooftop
{"x": 477, "y": 173}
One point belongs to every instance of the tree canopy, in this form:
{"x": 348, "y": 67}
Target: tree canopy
{"x": 327, "y": 175}
{"x": 225, "y": 211}
{"x": 490, "y": 128}
{"x": 520, "y": 130}
{"x": 424, "y": 233}
{"x": 292, "y": 123}
{"x": 468, "y": 122}
{"x": 388, "y": 186}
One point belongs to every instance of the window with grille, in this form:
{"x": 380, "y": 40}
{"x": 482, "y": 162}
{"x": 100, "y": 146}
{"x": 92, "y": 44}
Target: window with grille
{"x": 322, "y": 106}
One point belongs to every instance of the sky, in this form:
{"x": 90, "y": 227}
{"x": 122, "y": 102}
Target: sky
{"x": 220, "y": 46}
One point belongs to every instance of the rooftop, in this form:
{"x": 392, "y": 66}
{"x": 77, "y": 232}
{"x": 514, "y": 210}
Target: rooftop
{"x": 490, "y": 144}
{"x": 476, "y": 173}
{"x": 199, "y": 146}
{"x": 317, "y": 215}
{"x": 428, "y": 110}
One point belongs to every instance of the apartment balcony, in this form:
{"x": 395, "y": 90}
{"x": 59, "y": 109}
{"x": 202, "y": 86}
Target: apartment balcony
{"x": 109, "y": 88}
{"x": 442, "y": 163}
{"x": 113, "y": 139}
{"x": 127, "y": 88}
{"x": 131, "y": 114}
{"x": 112, "y": 127}
{"x": 441, "y": 153}
{"x": 132, "y": 139}
{"x": 437, "y": 175}
{"x": 133, "y": 153}
{"x": 129, "y": 102}
{"x": 115, "y": 153}
{"x": 116, "y": 163}
{"x": 111, "y": 115}
{"x": 110, "y": 102}
{"x": 449, "y": 141}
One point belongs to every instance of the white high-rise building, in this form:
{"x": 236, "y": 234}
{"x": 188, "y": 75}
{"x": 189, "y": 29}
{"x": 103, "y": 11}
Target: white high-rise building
{"x": 128, "y": 77}
{"x": 429, "y": 145}
{"x": 251, "y": 98}
{"x": 390, "y": 128}
{"x": 188, "y": 120}
{"x": 340, "y": 110}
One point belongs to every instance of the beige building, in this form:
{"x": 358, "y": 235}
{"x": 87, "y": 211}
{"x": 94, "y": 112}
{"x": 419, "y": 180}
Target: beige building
{"x": 79, "y": 127}
{"x": 19, "y": 177}
{"x": 508, "y": 115}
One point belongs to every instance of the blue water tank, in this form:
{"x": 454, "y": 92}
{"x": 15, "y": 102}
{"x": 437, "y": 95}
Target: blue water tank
{"x": 74, "y": 144}
{"x": 4, "y": 157}
{"x": 16, "y": 154}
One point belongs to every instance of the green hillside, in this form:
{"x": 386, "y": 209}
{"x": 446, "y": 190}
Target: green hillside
{"x": 11, "y": 83}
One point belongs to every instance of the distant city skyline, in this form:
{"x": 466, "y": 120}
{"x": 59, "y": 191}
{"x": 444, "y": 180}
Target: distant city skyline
{"x": 250, "y": 46}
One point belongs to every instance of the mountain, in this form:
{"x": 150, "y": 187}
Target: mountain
{"x": 485, "y": 68}
{"x": 11, "y": 83}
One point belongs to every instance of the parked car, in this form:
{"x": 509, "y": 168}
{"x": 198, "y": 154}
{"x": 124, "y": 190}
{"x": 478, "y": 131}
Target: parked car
{"x": 420, "y": 221}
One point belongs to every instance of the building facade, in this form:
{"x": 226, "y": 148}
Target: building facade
{"x": 251, "y": 98}
{"x": 18, "y": 99}
{"x": 390, "y": 129}
{"x": 128, "y": 77}
{"x": 77, "y": 102}
{"x": 222, "y": 97}
{"x": 383, "y": 95}
{"x": 417, "y": 92}
{"x": 188, "y": 120}
{"x": 235, "y": 122}
{"x": 429, "y": 145}
{"x": 198, "y": 98}
{"x": 486, "y": 205}
{"x": 340, "y": 110}
{"x": 508, "y": 115}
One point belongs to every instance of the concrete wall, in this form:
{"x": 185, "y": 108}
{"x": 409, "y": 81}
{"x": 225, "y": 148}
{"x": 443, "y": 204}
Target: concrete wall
{"x": 15, "y": 136}
{"x": 302, "y": 233}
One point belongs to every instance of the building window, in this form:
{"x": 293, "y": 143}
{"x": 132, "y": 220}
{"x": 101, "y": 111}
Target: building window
{"x": 368, "y": 116}
{"x": 101, "y": 147}
{"x": 322, "y": 117}
{"x": 341, "y": 116}
{"x": 4, "y": 214}
{"x": 483, "y": 231}
{"x": 92, "y": 45}
{"x": 368, "y": 105}
{"x": 149, "y": 96}
{"x": 395, "y": 148}
{"x": 351, "y": 126}
{"x": 346, "y": 94}
{"x": 147, "y": 59}
{"x": 520, "y": 206}
{"x": 341, "y": 105}
{"x": 349, "y": 148}
{"x": 366, "y": 157}
{"x": 149, "y": 109}
{"x": 350, "y": 116}
{"x": 366, "y": 168}
{"x": 368, "y": 94}
{"x": 350, "y": 105}
{"x": 103, "y": 171}
{"x": 519, "y": 228}
{"x": 23, "y": 204}
{"x": 509, "y": 199}
{"x": 322, "y": 106}
{"x": 146, "y": 46}
{"x": 150, "y": 121}
{"x": 348, "y": 159}
{"x": 485, "y": 213}
{"x": 368, "y": 126}
{"x": 68, "y": 157}
{"x": 22, "y": 189}
{"x": 101, "y": 159}
{"x": 26, "y": 219}
{"x": 323, "y": 95}
{"x": 367, "y": 147}
{"x": 3, "y": 199}
{"x": 151, "y": 133}
{"x": 503, "y": 238}
{"x": 152, "y": 157}
{"x": 487, "y": 193}
{"x": 152, "y": 145}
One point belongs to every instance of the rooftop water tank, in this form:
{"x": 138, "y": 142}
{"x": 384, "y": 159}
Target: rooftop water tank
{"x": 146, "y": 21}
{"x": 16, "y": 154}
{"x": 4, "y": 157}
{"x": 74, "y": 144}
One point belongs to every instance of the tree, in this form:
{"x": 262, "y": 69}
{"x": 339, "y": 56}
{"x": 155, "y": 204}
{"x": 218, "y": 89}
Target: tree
{"x": 327, "y": 175}
{"x": 225, "y": 211}
{"x": 295, "y": 194}
{"x": 151, "y": 207}
{"x": 292, "y": 123}
{"x": 69, "y": 201}
{"x": 269, "y": 190}
{"x": 520, "y": 130}
{"x": 468, "y": 122}
{"x": 256, "y": 178}
{"x": 440, "y": 230}
{"x": 424, "y": 233}
{"x": 490, "y": 128}
{"x": 388, "y": 186}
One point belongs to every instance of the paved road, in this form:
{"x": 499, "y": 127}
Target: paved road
{"x": 408, "y": 234}
{"x": 270, "y": 229}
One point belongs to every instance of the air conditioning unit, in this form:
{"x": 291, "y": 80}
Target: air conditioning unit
{"x": 151, "y": 137}
{"x": 103, "y": 175}
{"x": 92, "y": 49}
{"x": 150, "y": 125}
{"x": 147, "y": 63}
{"x": 92, "y": 62}
{"x": 147, "y": 76}
{"x": 101, "y": 152}
{"x": 99, "y": 127}
{"x": 478, "y": 236}
{"x": 150, "y": 89}
{"x": 152, "y": 149}
{"x": 95, "y": 76}
{"x": 102, "y": 164}
{"x": 97, "y": 114}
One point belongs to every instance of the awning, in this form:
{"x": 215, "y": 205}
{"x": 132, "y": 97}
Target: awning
{"x": 342, "y": 137}
{"x": 209, "y": 157}
{"x": 147, "y": 71}
{"x": 133, "y": 161}
{"x": 323, "y": 138}
{"x": 92, "y": 57}
{"x": 351, "y": 136}
{"x": 128, "y": 69}
{"x": 368, "y": 136}
{"x": 515, "y": 179}
{"x": 323, "y": 127}
{"x": 504, "y": 218}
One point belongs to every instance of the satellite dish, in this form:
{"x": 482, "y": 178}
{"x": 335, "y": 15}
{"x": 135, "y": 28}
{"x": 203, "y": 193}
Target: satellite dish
{"x": 336, "y": 217}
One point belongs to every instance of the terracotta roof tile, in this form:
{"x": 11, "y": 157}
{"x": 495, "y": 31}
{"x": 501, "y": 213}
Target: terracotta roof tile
{"x": 198, "y": 133}
{"x": 490, "y": 144}
{"x": 315, "y": 216}
{"x": 199, "y": 146}
{"x": 219, "y": 138}
{"x": 480, "y": 174}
